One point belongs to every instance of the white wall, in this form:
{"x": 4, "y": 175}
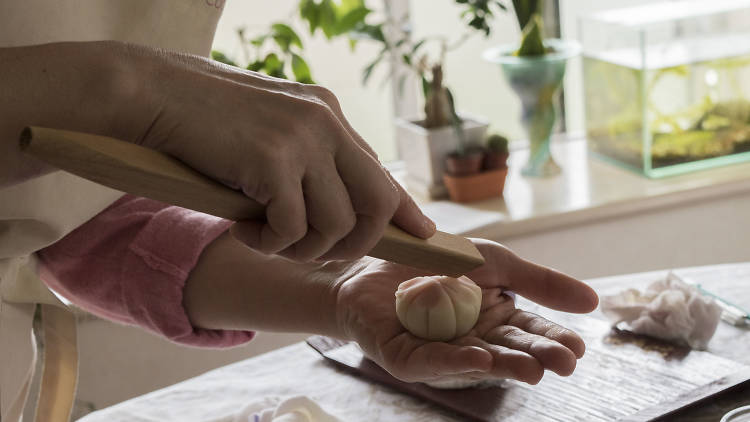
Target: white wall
{"x": 715, "y": 231}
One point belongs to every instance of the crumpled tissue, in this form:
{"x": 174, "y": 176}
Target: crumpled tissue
{"x": 669, "y": 309}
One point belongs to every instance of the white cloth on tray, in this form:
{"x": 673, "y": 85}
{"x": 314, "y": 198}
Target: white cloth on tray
{"x": 278, "y": 409}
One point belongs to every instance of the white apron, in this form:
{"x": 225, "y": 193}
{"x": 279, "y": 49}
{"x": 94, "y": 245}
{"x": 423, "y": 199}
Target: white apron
{"x": 41, "y": 211}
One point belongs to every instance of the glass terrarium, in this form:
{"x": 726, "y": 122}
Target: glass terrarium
{"x": 667, "y": 85}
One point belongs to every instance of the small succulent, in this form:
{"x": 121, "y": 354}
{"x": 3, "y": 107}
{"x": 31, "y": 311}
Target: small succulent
{"x": 497, "y": 143}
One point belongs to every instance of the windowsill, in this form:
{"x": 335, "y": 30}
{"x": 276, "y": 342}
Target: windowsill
{"x": 587, "y": 190}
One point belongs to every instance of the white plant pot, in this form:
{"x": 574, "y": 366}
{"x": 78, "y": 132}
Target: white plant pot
{"x": 423, "y": 151}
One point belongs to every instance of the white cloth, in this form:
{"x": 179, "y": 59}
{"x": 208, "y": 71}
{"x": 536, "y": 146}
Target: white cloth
{"x": 669, "y": 309}
{"x": 277, "y": 409}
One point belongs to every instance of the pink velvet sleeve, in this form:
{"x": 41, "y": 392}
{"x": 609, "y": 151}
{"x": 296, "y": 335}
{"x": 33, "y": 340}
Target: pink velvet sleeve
{"x": 130, "y": 263}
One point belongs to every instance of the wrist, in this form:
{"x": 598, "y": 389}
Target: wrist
{"x": 332, "y": 275}
{"x": 232, "y": 287}
{"x": 342, "y": 314}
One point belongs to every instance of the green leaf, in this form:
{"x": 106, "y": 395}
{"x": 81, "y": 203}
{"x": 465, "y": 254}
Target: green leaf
{"x": 285, "y": 36}
{"x": 426, "y": 87}
{"x": 272, "y": 63}
{"x": 278, "y": 73}
{"x": 221, "y": 57}
{"x": 328, "y": 18}
{"x": 346, "y": 6}
{"x": 531, "y": 38}
{"x": 300, "y": 69}
{"x": 286, "y": 31}
{"x": 256, "y": 66}
{"x": 500, "y": 5}
{"x": 368, "y": 32}
{"x": 310, "y": 12}
{"x": 368, "y": 70}
{"x": 352, "y": 19}
{"x": 525, "y": 9}
{"x": 417, "y": 45}
{"x": 479, "y": 13}
{"x": 259, "y": 40}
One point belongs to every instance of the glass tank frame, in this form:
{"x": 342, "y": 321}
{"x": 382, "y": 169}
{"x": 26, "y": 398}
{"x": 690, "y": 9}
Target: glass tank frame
{"x": 667, "y": 85}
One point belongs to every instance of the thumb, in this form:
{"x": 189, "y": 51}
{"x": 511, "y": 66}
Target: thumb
{"x": 409, "y": 217}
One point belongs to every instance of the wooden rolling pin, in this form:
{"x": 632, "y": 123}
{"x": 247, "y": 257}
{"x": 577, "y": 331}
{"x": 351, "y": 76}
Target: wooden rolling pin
{"x": 148, "y": 173}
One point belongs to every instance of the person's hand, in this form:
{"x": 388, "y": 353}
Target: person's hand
{"x": 286, "y": 145}
{"x": 505, "y": 343}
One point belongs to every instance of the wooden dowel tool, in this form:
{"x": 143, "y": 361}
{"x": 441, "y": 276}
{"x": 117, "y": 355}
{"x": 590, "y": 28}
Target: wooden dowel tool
{"x": 145, "y": 172}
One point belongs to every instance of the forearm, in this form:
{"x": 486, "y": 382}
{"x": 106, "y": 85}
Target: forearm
{"x": 77, "y": 86}
{"x": 233, "y": 287}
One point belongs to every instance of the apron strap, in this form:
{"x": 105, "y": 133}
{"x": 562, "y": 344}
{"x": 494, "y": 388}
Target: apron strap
{"x": 18, "y": 357}
{"x": 60, "y": 365}
{"x": 19, "y": 294}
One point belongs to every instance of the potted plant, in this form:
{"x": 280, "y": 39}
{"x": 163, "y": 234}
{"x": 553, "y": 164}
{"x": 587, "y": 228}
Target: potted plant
{"x": 487, "y": 180}
{"x": 534, "y": 71}
{"x": 424, "y": 142}
{"x": 496, "y": 156}
{"x": 440, "y": 139}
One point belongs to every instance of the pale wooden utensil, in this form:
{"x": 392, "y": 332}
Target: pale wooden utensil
{"x": 145, "y": 172}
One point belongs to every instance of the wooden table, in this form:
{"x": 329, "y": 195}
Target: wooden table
{"x": 297, "y": 369}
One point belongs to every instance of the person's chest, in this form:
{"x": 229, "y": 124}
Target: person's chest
{"x": 178, "y": 25}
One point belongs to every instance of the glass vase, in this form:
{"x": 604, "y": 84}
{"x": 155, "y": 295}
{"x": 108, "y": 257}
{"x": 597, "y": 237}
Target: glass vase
{"x": 536, "y": 80}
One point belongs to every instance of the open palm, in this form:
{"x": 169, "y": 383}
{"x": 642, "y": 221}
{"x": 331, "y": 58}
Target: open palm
{"x": 505, "y": 343}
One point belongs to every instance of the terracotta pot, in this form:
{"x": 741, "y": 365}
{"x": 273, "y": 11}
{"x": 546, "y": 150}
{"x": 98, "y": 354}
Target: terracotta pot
{"x": 495, "y": 160}
{"x": 464, "y": 165}
{"x": 476, "y": 187}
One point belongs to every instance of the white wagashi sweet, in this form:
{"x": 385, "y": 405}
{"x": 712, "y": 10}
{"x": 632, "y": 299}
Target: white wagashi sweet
{"x": 438, "y": 308}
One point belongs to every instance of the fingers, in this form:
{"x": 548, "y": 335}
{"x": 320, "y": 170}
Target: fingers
{"x": 286, "y": 222}
{"x": 433, "y": 360}
{"x": 330, "y": 216}
{"x": 508, "y": 362}
{"x": 374, "y": 200}
{"x": 537, "y": 325}
{"x": 345, "y": 216}
{"x": 543, "y": 285}
{"x": 409, "y": 217}
{"x": 550, "y": 354}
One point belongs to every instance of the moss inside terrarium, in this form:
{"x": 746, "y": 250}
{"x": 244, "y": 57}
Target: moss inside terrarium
{"x": 686, "y": 113}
